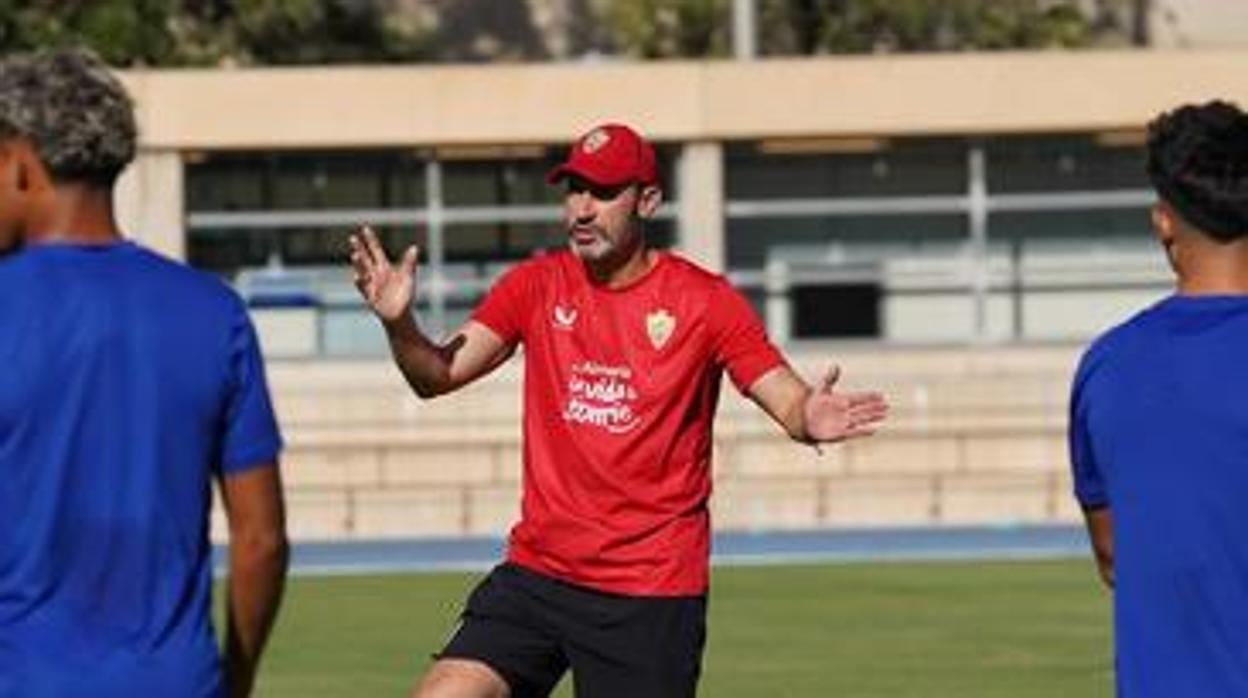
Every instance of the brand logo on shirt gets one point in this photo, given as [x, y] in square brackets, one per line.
[564, 318]
[660, 325]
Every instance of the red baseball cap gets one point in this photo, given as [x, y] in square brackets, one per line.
[609, 155]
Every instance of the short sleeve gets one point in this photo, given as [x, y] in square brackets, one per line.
[251, 436]
[739, 341]
[1089, 480]
[505, 306]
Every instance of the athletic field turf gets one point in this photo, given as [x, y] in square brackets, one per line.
[958, 629]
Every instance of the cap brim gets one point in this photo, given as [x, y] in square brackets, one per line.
[562, 172]
[558, 173]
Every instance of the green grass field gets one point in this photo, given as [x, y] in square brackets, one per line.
[1014, 629]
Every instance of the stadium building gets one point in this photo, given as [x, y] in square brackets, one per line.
[948, 227]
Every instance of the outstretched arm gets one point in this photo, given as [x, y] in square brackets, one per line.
[431, 369]
[817, 415]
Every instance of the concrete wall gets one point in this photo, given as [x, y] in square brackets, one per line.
[677, 101]
[976, 437]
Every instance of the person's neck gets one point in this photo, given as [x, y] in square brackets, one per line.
[79, 214]
[1215, 270]
[623, 273]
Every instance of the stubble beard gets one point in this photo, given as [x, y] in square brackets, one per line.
[596, 251]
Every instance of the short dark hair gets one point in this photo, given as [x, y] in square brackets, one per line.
[1198, 162]
[73, 110]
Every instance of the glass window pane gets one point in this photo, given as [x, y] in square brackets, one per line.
[346, 180]
[523, 239]
[227, 182]
[905, 167]
[510, 241]
[228, 250]
[661, 234]
[854, 276]
[1072, 231]
[667, 156]
[1073, 274]
[498, 241]
[1062, 163]
[305, 180]
[474, 242]
[850, 238]
[498, 182]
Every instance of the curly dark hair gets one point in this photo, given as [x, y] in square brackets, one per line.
[74, 111]
[1198, 162]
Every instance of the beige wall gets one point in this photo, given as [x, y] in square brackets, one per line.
[677, 101]
[701, 232]
[975, 436]
[150, 201]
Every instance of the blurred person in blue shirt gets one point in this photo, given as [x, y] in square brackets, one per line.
[127, 382]
[1159, 427]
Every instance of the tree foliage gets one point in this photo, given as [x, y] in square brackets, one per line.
[213, 32]
[245, 32]
[875, 26]
[671, 28]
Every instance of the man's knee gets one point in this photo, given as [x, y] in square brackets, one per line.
[461, 678]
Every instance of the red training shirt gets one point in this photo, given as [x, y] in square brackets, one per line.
[620, 388]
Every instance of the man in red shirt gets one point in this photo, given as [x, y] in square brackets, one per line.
[625, 345]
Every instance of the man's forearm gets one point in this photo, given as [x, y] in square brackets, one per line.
[423, 364]
[783, 394]
[794, 418]
[1101, 535]
[257, 578]
[791, 414]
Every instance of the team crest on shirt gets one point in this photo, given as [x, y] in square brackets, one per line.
[594, 141]
[660, 325]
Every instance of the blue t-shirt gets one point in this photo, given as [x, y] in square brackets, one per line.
[1159, 435]
[126, 382]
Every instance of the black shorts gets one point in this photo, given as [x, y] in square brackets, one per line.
[531, 629]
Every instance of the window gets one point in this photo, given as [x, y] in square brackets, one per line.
[814, 169]
[281, 219]
[818, 232]
[894, 234]
[1063, 163]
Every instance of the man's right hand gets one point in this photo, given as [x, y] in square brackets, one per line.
[431, 369]
[387, 289]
